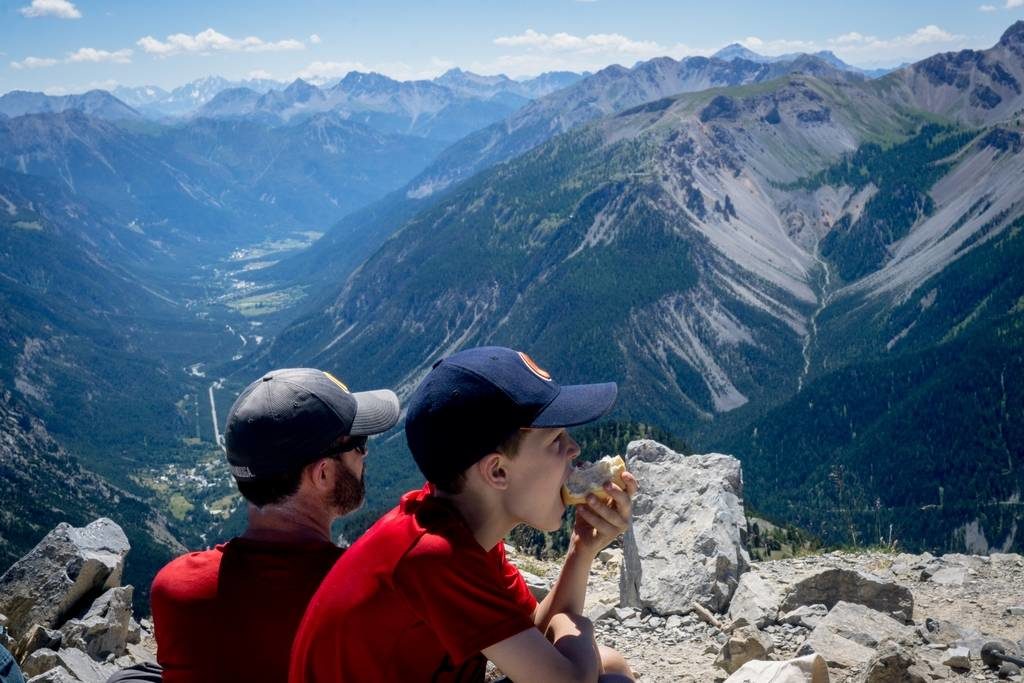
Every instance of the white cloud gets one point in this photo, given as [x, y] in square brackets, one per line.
[61, 9]
[209, 41]
[1011, 4]
[260, 74]
[314, 39]
[596, 42]
[34, 63]
[89, 54]
[777, 46]
[538, 52]
[987, 8]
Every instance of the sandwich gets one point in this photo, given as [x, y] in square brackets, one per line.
[591, 478]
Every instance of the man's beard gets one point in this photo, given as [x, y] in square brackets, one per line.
[349, 490]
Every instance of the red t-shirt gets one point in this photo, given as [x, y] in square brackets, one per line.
[415, 599]
[229, 614]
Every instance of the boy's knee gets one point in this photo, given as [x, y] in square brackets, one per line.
[614, 663]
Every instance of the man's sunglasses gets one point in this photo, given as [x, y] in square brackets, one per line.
[352, 443]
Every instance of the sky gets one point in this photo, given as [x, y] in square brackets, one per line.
[63, 46]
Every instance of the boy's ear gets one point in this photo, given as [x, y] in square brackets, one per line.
[491, 469]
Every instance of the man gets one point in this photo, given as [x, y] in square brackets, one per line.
[427, 593]
[295, 442]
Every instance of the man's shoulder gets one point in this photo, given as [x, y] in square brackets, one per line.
[191, 575]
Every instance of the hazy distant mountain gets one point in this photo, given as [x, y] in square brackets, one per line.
[821, 271]
[420, 108]
[737, 51]
[139, 96]
[215, 181]
[186, 99]
[610, 90]
[97, 103]
[467, 83]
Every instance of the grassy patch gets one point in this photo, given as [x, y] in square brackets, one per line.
[179, 507]
[267, 302]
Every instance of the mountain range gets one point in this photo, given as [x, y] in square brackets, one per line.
[727, 254]
[782, 259]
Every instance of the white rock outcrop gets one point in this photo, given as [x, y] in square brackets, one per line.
[63, 573]
[684, 543]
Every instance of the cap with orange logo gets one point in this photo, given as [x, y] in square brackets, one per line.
[473, 400]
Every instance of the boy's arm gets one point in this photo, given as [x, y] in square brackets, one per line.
[597, 525]
[570, 656]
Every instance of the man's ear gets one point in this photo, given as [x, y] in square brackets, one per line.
[318, 474]
[492, 469]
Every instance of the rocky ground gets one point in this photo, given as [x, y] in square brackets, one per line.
[980, 594]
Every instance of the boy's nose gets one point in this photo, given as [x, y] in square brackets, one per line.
[574, 448]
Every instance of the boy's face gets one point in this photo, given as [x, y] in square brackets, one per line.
[536, 475]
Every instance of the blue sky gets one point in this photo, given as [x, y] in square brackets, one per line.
[72, 45]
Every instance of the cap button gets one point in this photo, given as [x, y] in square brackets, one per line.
[268, 378]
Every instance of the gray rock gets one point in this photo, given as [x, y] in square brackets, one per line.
[895, 664]
[623, 613]
[1017, 611]
[831, 586]
[847, 635]
[958, 658]
[743, 645]
[39, 661]
[62, 574]
[538, 586]
[684, 542]
[34, 639]
[949, 576]
[837, 651]
[1008, 670]
[80, 666]
[808, 616]
[107, 628]
[54, 676]
[755, 601]
[599, 611]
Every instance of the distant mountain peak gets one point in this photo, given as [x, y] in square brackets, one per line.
[737, 51]
[1013, 35]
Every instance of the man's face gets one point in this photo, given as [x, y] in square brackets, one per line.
[349, 485]
[536, 475]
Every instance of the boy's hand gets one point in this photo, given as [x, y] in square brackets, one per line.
[599, 523]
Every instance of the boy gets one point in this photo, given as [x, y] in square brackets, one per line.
[427, 593]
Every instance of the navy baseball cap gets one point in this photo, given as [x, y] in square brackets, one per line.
[289, 418]
[474, 399]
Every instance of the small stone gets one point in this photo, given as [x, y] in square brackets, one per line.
[623, 613]
[1017, 611]
[674, 621]
[655, 622]
[958, 658]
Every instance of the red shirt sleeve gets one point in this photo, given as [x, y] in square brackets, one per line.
[471, 599]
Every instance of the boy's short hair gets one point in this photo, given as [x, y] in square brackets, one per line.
[508, 447]
[471, 401]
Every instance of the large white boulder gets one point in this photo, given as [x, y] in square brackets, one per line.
[62, 575]
[684, 543]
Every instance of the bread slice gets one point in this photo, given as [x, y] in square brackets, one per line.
[591, 477]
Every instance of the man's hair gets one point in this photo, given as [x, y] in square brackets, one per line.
[455, 483]
[278, 488]
[271, 490]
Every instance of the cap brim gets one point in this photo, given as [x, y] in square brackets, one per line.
[376, 412]
[577, 404]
